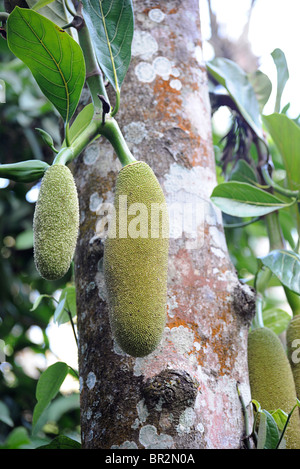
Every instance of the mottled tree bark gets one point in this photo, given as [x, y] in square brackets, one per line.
[184, 394]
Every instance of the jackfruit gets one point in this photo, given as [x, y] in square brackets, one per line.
[293, 349]
[55, 222]
[271, 379]
[136, 261]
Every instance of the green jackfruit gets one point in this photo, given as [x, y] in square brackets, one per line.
[293, 349]
[136, 261]
[271, 379]
[55, 223]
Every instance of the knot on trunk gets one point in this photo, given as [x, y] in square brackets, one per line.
[170, 390]
[244, 300]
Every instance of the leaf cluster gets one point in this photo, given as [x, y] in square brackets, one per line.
[269, 427]
[259, 180]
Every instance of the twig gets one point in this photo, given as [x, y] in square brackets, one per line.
[73, 326]
[245, 413]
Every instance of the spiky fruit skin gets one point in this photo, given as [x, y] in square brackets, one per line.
[293, 349]
[271, 379]
[55, 223]
[135, 268]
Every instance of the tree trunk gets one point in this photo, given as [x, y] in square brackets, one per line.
[184, 394]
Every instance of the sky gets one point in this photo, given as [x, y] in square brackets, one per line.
[274, 24]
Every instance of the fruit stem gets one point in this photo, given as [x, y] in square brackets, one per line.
[282, 190]
[3, 16]
[112, 132]
[275, 236]
[109, 130]
[258, 318]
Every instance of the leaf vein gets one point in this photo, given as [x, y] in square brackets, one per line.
[54, 60]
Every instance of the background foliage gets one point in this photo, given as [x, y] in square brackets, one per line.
[25, 356]
[242, 194]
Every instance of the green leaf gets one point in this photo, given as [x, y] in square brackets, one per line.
[63, 404]
[47, 138]
[41, 4]
[62, 442]
[262, 431]
[286, 266]
[80, 123]
[276, 319]
[54, 58]
[262, 86]
[24, 240]
[286, 136]
[282, 75]
[272, 435]
[244, 200]
[243, 172]
[67, 301]
[17, 438]
[238, 85]
[268, 433]
[4, 415]
[56, 409]
[70, 294]
[280, 418]
[24, 171]
[110, 23]
[38, 300]
[47, 388]
[256, 405]
[54, 11]
[60, 315]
